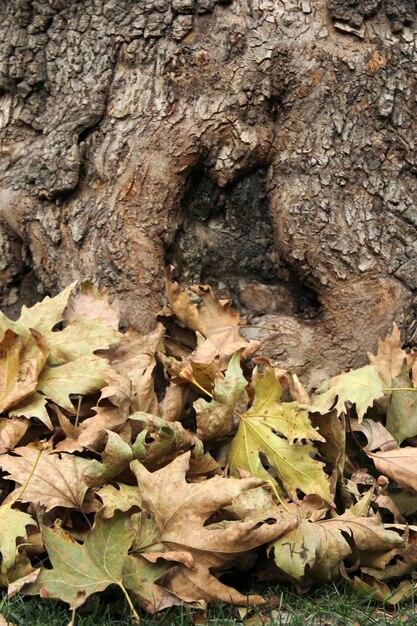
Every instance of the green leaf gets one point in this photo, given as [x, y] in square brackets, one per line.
[215, 418]
[258, 435]
[81, 377]
[81, 570]
[402, 409]
[12, 525]
[288, 418]
[360, 387]
[102, 560]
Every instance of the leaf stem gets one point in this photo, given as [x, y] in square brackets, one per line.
[278, 497]
[196, 384]
[27, 481]
[400, 388]
[77, 417]
[130, 603]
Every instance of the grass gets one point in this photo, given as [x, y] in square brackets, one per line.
[330, 605]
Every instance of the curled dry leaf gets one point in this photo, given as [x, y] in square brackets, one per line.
[402, 409]
[390, 357]
[378, 437]
[215, 418]
[176, 504]
[400, 465]
[322, 546]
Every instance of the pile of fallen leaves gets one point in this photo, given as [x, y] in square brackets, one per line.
[157, 463]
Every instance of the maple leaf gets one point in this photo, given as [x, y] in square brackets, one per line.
[390, 357]
[118, 497]
[215, 321]
[43, 316]
[176, 504]
[13, 524]
[402, 408]
[321, 546]
[399, 464]
[12, 430]
[81, 570]
[80, 339]
[56, 481]
[379, 438]
[360, 387]
[92, 303]
[82, 376]
[134, 357]
[12, 387]
[156, 441]
[215, 418]
[259, 433]
[182, 305]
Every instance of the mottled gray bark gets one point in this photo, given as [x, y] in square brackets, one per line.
[266, 146]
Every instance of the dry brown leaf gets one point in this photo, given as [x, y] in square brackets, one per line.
[92, 304]
[399, 464]
[390, 356]
[182, 305]
[57, 481]
[177, 505]
[15, 386]
[12, 430]
[379, 438]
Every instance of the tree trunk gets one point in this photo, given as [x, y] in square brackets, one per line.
[264, 146]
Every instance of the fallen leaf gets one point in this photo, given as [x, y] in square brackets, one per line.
[12, 525]
[80, 339]
[378, 590]
[322, 546]
[81, 377]
[390, 358]
[33, 406]
[215, 418]
[118, 497]
[259, 434]
[56, 481]
[12, 430]
[379, 438]
[13, 388]
[360, 387]
[43, 316]
[402, 409]
[399, 464]
[176, 504]
[182, 305]
[92, 304]
[102, 560]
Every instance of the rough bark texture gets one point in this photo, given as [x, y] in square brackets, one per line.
[265, 146]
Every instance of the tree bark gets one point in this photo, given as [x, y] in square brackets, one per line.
[264, 146]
